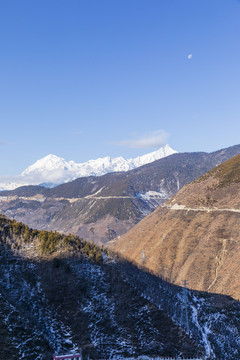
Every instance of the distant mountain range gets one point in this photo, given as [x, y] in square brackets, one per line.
[100, 208]
[53, 170]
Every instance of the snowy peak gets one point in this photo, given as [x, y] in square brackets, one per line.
[49, 162]
[153, 156]
[55, 170]
[99, 166]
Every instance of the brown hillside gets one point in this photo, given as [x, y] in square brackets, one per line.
[217, 188]
[196, 237]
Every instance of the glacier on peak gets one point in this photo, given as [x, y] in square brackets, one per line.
[55, 170]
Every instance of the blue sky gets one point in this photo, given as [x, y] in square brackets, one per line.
[86, 79]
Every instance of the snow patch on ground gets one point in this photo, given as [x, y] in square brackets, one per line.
[153, 195]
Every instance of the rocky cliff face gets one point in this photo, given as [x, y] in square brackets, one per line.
[196, 235]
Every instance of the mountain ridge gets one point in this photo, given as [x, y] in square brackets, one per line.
[103, 207]
[52, 169]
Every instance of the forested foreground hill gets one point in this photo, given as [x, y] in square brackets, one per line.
[60, 293]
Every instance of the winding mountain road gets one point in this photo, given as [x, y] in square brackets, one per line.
[178, 207]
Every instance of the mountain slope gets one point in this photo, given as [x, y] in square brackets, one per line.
[52, 170]
[64, 303]
[104, 207]
[196, 235]
[61, 296]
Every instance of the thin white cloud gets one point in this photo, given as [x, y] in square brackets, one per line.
[1, 143]
[154, 139]
[189, 56]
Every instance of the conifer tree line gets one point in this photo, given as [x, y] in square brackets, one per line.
[49, 242]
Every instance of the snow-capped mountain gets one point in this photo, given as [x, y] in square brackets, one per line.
[55, 170]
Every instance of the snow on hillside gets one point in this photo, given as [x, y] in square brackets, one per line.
[55, 170]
